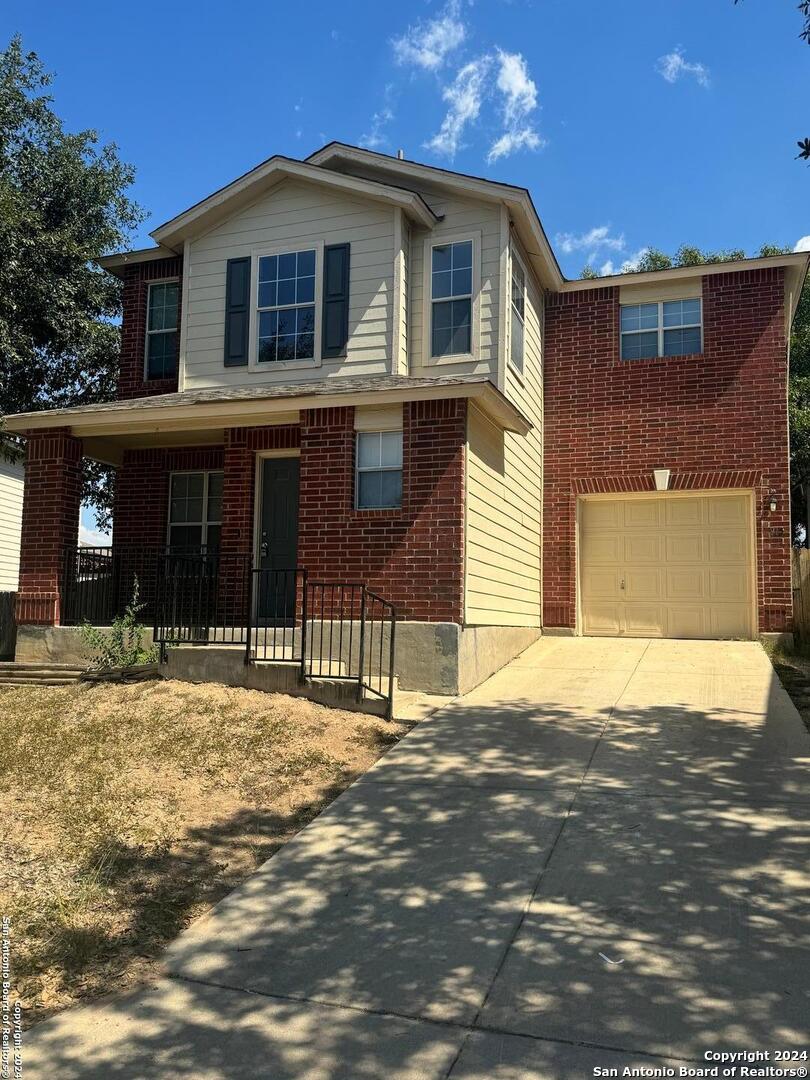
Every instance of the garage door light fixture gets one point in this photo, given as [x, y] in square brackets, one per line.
[661, 477]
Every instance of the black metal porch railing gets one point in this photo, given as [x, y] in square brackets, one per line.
[333, 630]
[190, 596]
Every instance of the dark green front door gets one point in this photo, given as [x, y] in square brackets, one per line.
[278, 538]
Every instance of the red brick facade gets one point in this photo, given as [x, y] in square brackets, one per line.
[50, 522]
[413, 557]
[132, 382]
[717, 420]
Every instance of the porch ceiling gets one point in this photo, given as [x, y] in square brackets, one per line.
[200, 416]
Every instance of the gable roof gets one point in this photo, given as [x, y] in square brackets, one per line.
[248, 187]
[323, 167]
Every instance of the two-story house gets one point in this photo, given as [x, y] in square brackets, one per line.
[374, 371]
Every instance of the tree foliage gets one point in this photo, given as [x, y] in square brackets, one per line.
[799, 376]
[63, 203]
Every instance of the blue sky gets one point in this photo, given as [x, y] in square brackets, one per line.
[633, 123]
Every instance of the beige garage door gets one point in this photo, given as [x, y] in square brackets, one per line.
[667, 566]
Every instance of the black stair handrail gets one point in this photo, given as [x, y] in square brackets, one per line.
[330, 629]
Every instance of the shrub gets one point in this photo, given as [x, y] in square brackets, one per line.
[121, 646]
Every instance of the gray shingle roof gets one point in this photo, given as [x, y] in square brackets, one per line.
[343, 385]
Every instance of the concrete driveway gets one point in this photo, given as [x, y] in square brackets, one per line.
[600, 857]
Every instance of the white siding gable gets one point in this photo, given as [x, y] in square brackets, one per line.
[300, 215]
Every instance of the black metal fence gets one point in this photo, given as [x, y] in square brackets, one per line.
[333, 630]
[196, 597]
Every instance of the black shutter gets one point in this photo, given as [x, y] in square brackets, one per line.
[237, 312]
[335, 300]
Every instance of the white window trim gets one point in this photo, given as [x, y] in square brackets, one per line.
[427, 285]
[253, 346]
[376, 468]
[515, 258]
[661, 328]
[149, 333]
[206, 473]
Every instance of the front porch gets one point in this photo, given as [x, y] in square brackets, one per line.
[301, 536]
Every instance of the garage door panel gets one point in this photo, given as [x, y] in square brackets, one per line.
[602, 550]
[604, 515]
[728, 511]
[686, 584]
[725, 619]
[602, 584]
[687, 621]
[643, 548]
[728, 547]
[685, 547]
[604, 619]
[670, 565]
[644, 620]
[728, 584]
[642, 584]
[684, 512]
[642, 514]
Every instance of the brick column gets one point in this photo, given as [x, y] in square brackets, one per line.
[50, 522]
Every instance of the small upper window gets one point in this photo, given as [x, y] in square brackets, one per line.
[379, 470]
[451, 295]
[286, 305]
[666, 328]
[161, 330]
[195, 511]
[518, 315]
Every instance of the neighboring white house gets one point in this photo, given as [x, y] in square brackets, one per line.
[11, 501]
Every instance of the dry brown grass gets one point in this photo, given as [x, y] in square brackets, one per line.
[129, 810]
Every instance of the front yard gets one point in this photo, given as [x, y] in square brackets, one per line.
[128, 810]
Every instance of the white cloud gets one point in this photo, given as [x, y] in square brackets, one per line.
[464, 96]
[803, 244]
[596, 238]
[93, 537]
[427, 44]
[672, 66]
[375, 137]
[511, 141]
[516, 86]
[627, 267]
[519, 94]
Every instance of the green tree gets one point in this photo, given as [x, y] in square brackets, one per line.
[799, 375]
[63, 203]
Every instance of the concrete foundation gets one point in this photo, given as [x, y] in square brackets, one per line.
[431, 658]
[782, 641]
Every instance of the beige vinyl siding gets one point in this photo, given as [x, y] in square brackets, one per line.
[461, 216]
[11, 501]
[404, 297]
[504, 495]
[301, 215]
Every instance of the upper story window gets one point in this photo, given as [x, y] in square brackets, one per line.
[665, 328]
[518, 311]
[195, 511]
[161, 330]
[379, 470]
[286, 307]
[451, 283]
